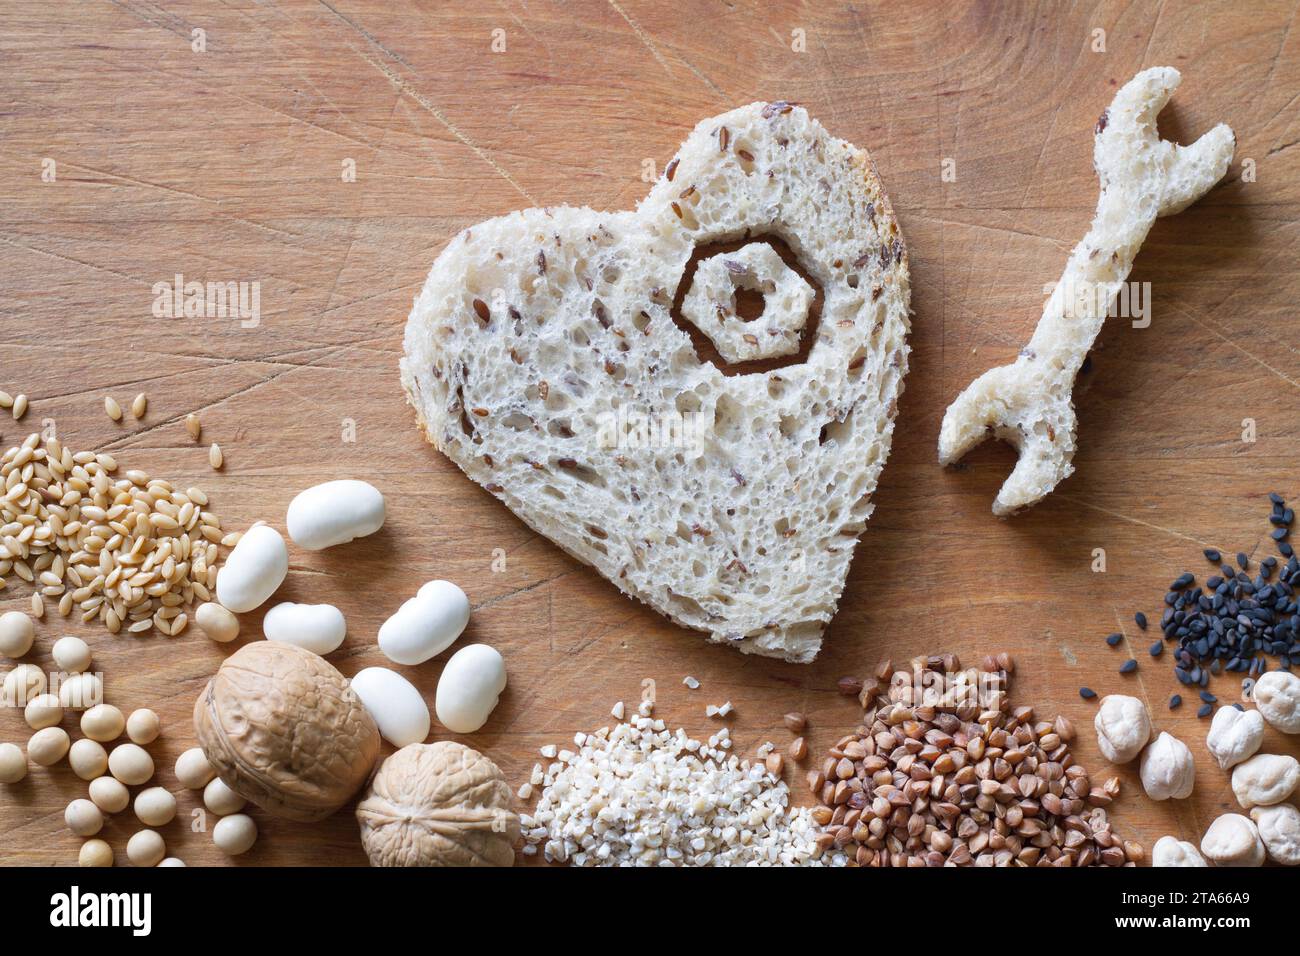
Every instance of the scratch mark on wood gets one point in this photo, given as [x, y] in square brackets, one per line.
[144, 183]
[403, 87]
[1142, 687]
[181, 32]
[643, 37]
[1146, 524]
[367, 35]
[1223, 338]
[76, 261]
[490, 602]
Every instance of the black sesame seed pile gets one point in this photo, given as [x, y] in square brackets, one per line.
[1235, 620]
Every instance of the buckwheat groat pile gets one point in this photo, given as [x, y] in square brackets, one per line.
[641, 795]
[943, 772]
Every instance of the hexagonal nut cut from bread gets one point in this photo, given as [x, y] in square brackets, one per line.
[547, 358]
[283, 729]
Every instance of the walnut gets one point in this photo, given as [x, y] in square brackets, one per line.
[440, 804]
[282, 728]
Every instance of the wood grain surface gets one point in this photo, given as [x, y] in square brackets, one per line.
[225, 160]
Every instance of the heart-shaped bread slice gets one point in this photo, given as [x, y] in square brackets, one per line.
[543, 357]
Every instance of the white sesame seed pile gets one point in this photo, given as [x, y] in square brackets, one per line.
[130, 551]
[639, 794]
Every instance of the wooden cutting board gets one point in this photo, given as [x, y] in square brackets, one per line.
[328, 151]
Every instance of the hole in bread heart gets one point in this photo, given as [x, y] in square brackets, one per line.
[750, 305]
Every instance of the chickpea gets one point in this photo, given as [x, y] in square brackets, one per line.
[172, 861]
[47, 747]
[143, 726]
[88, 759]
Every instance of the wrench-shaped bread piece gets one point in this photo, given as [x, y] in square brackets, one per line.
[1028, 403]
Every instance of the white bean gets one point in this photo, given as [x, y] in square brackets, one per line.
[235, 834]
[426, 625]
[254, 570]
[172, 861]
[469, 688]
[319, 628]
[395, 705]
[334, 513]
